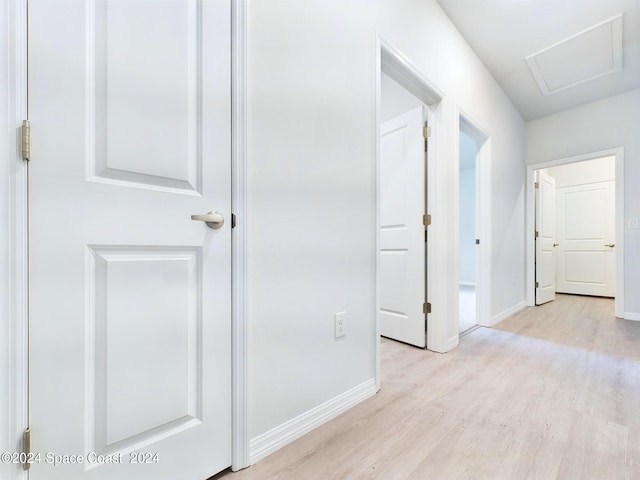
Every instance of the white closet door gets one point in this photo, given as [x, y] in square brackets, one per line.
[545, 238]
[586, 237]
[130, 297]
[402, 234]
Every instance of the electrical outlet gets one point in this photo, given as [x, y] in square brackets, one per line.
[340, 319]
[633, 223]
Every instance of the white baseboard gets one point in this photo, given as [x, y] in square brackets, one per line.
[286, 433]
[453, 343]
[631, 316]
[508, 312]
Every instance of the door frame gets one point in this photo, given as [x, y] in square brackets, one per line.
[16, 294]
[618, 153]
[483, 215]
[15, 229]
[402, 70]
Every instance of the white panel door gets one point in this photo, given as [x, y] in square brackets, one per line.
[402, 234]
[130, 354]
[586, 237]
[545, 238]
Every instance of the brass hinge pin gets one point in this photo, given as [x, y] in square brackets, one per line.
[26, 448]
[26, 140]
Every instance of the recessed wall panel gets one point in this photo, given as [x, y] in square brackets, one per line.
[143, 75]
[144, 372]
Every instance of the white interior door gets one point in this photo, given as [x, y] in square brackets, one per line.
[130, 352]
[545, 238]
[402, 233]
[586, 237]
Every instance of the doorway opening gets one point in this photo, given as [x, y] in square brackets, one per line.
[468, 238]
[575, 228]
[400, 74]
[474, 226]
[403, 175]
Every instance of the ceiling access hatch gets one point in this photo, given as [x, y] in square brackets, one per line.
[585, 56]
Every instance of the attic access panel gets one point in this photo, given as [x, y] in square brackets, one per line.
[590, 54]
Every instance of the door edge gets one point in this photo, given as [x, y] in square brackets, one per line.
[239, 322]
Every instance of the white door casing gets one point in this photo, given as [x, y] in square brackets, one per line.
[586, 238]
[618, 251]
[545, 238]
[130, 300]
[402, 233]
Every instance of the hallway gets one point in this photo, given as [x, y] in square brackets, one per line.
[550, 393]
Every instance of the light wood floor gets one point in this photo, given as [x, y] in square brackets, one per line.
[550, 393]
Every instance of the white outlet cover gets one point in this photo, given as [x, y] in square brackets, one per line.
[633, 223]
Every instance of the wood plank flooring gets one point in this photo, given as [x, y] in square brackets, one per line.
[553, 392]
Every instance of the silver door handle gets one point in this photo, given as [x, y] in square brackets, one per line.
[213, 219]
[610, 245]
[556, 244]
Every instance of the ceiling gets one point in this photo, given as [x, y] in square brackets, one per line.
[513, 39]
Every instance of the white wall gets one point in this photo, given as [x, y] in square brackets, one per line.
[311, 164]
[395, 99]
[597, 126]
[579, 173]
[311, 191]
[467, 210]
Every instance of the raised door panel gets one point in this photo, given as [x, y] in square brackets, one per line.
[144, 86]
[144, 337]
[585, 214]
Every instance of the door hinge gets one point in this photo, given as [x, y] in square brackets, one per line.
[26, 140]
[426, 220]
[536, 185]
[233, 220]
[26, 448]
[426, 133]
[537, 234]
[537, 285]
[477, 241]
[426, 307]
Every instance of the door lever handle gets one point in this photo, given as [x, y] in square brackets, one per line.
[556, 244]
[610, 245]
[213, 219]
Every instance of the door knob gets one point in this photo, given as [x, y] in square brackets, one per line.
[556, 244]
[213, 219]
[610, 245]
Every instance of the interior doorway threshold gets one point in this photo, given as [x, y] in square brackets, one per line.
[469, 330]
